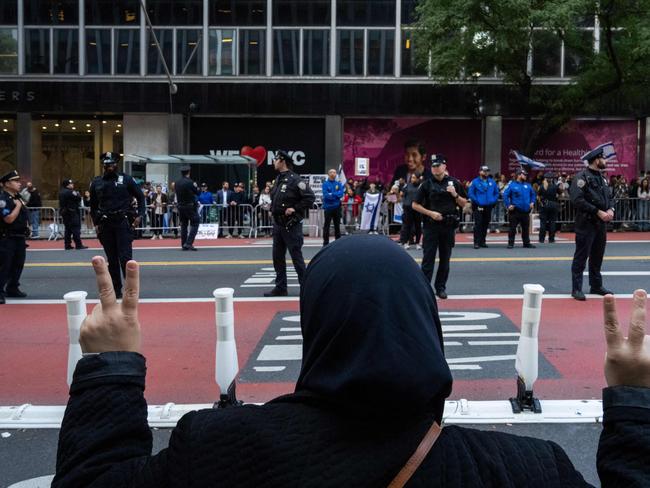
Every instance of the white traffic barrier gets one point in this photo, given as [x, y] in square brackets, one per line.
[75, 302]
[527, 359]
[226, 362]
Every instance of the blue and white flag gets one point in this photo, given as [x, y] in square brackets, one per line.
[340, 175]
[370, 211]
[526, 161]
[397, 213]
[605, 151]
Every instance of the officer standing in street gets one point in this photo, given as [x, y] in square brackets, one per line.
[548, 193]
[114, 216]
[519, 198]
[438, 200]
[484, 193]
[69, 203]
[291, 200]
[591, 197]
[14, 229]
[187, 193]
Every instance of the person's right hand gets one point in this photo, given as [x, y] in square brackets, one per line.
[604, 216]
[113, 326]
[511, 208]
[436, 215]
[627, 362]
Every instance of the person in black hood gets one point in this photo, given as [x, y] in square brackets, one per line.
[373, 381]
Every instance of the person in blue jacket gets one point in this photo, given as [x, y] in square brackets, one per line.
[484, 193]
[332, 193]
[519, 198]
[206, 199]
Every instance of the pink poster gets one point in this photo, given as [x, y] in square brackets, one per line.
[382, 141]
[561, 153]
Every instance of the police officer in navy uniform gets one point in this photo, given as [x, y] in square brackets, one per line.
[114, 216]
[438, 199]
[591, 197]
[187, 192]
[14, 229]
[291, 200]
[69, 203]
[519, 198]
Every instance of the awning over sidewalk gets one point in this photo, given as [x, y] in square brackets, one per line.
[189, 159]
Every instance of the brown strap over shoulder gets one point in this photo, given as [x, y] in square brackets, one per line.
[418, 456]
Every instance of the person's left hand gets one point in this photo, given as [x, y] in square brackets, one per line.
[451, 189]
[532, 205]
[136, 222]
[289, 211]
[113, 326]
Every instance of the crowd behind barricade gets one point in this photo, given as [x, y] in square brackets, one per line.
[242, 213]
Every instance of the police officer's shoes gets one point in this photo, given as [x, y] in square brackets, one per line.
[78, 248]
[442, 294]
[600, 291]
[530, 246]
[276, 292]
[15, 293]
[2, 299]
[189, 248]
[578, 295]
[476, 246]
[510, 246]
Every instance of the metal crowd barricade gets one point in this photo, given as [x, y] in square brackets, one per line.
[263, 222]
[44, 223]
[351, 216]
[232, 218]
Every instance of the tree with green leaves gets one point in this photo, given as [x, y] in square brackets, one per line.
[607, 44]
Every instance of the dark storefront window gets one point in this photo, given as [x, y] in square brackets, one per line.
[189, 52]
[51, 12]
[66, 51]
[381, 49]
[237, 12]
[575, 56]
[222, 52]
[286, 55]
[37, 50]
[350, 48]
[408, 11]
[410, 65]
[251, 52]
[7, 144]
[8, 51]
[547, 49]
[98, 51]
[316, 52]
[154, 61]
[8, 12]
[112, 12]
[365, 12]
[301, 12]
[175, 12]
[127, 52]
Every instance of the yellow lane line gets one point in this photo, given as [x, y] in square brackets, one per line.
[530, 259]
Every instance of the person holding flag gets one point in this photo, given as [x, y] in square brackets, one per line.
[591, 197]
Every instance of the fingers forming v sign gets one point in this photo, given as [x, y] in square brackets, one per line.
[113, 326]
[627, 361]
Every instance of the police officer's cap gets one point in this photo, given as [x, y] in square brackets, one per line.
[520, 171]
[185, 168]
[12, 175]
[485, 168]
[284, 156]
[593, 154]
[65, 183]
[438, 159]
[549, 176]
[109, 158]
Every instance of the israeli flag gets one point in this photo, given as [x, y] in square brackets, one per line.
[397, 213]
[526, 161]
[605, 151]
[370, 211]
[340, 175]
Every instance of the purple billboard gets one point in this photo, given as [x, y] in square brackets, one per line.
[382, 142]
[561, 153]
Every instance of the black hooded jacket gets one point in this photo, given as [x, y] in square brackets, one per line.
[371, 383]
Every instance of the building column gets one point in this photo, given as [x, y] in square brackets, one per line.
[333, 141]
[645, 162]
[492, 141]
[24, 138]
[148, 135]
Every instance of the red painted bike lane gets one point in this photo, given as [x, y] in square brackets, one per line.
[179, 343]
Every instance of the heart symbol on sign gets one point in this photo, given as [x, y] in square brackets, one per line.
[258, 154]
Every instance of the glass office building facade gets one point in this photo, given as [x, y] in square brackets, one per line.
[99, 64]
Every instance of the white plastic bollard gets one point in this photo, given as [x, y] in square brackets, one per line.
[527, 361]
[75, 302]
[226, 363]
